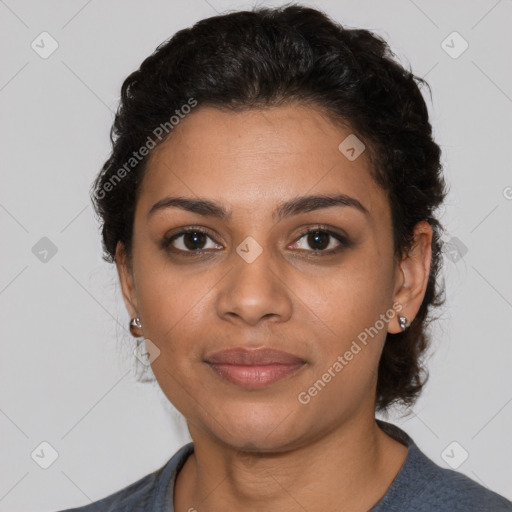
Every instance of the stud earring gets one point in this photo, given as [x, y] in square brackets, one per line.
[135, 324]
[403, 323]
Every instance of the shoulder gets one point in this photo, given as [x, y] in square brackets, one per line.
[132, 497]
[448, 490]
[423, 486]
[148, 493]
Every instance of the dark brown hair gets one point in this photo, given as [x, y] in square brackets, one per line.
[264, 58]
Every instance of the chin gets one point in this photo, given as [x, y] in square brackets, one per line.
[262, 427]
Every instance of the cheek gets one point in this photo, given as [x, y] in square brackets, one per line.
[350, 305]
[168, 297]
[172, 309]
[351, 298]
[350, 337]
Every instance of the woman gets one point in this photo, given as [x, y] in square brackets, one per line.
[270, 207]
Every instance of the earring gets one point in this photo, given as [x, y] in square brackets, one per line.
[135, 324]
[403, 323]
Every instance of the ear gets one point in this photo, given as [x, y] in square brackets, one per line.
[125, 273]
[411, 277]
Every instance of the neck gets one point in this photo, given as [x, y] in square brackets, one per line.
[350, 469]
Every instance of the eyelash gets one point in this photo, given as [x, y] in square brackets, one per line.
[344, 243]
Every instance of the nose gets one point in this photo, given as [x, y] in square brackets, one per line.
[254, 291]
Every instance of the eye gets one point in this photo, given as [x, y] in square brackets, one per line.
[195, 240]
[189, 240]
[322, 240]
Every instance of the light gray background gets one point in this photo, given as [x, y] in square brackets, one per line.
[67, 373]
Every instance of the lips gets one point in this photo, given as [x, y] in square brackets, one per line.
[255, 368]
[254, 357]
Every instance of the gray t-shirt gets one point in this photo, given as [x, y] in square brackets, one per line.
[420, 486]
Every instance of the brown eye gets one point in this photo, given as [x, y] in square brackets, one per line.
[190, 240]
[318, 240]
[321, 241]
[194, 240]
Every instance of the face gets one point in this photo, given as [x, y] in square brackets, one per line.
[261, 269]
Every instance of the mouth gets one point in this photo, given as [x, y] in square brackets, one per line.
[255, 368]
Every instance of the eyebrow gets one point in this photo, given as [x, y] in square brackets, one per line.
[301, 204]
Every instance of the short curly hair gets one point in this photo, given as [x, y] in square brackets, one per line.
[267, 57]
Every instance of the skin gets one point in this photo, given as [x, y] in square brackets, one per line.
[263, 449]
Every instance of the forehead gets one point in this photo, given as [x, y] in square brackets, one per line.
[247, 159]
